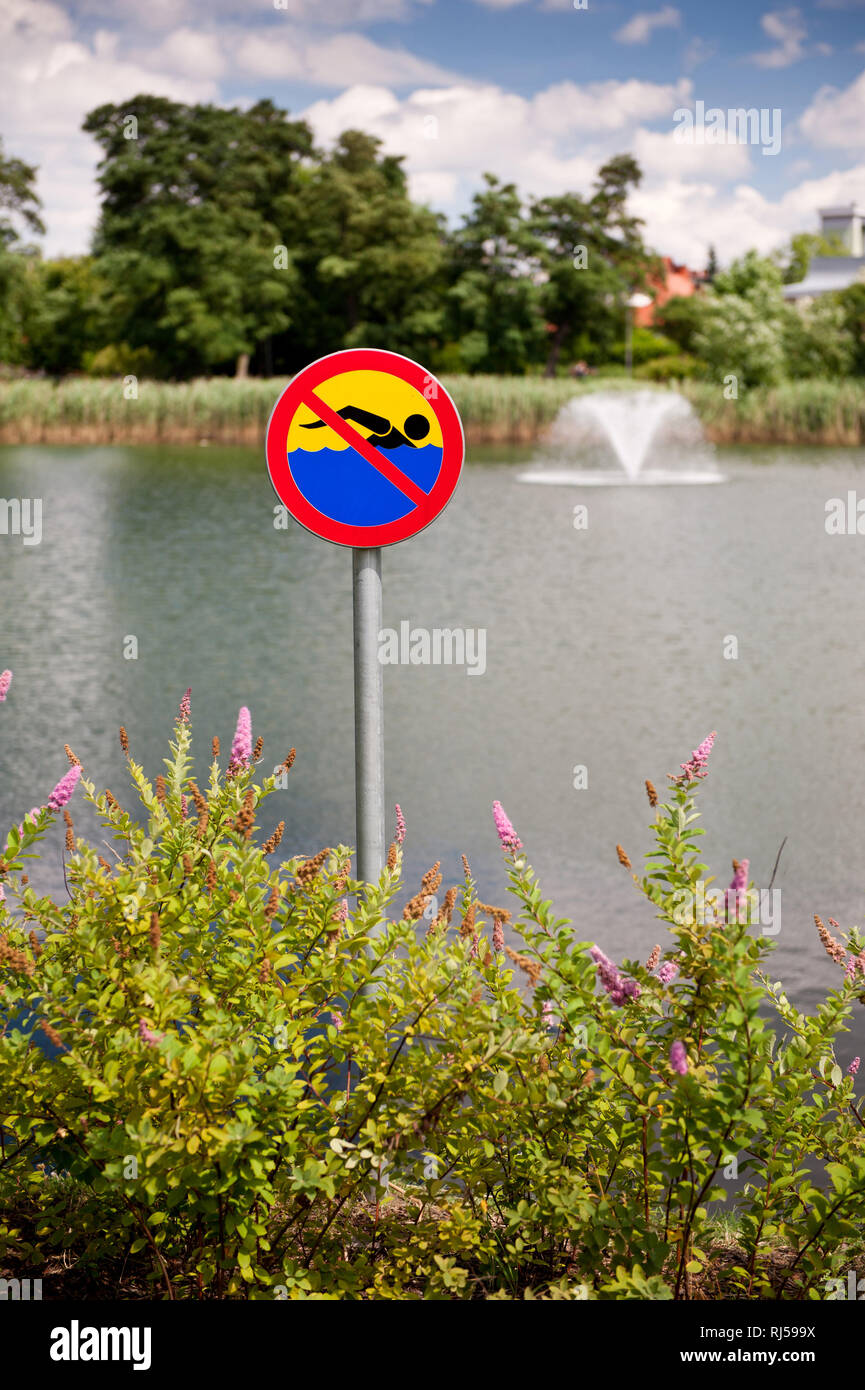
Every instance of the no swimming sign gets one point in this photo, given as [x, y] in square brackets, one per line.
[365, 448]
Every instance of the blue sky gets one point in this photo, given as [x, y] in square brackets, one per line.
[534, 90]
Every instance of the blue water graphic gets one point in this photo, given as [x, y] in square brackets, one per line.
[342, 485]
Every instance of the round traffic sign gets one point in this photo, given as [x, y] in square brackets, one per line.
[364, 447]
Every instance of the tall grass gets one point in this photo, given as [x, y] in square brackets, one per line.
[798, 412]
[493, 409]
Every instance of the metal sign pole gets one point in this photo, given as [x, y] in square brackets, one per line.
[368, 714]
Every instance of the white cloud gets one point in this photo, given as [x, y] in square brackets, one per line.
[691, 195]
[640, 28]
[190, 53]
[449, 129]
[683, 217]
[836, 119]
[162, 14]
[548, 143]
[335, 61]
[659, 153]
[787, 29]
[611, 105]
[50, 81]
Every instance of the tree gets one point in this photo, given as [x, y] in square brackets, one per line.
[681, 318]
[711, 265]
[795, 260]
[852, 302]
[18, 196]
[194, 199]
[817, 340]
[494, 316]
[369, 260]
[742, 332]
[63, 319]
[592, 254]
[19, 204]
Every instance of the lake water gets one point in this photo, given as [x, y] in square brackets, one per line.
[605, 648]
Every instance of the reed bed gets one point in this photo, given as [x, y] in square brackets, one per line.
[222, 410]
[797, 412]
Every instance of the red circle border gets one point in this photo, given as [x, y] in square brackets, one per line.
[340, 532]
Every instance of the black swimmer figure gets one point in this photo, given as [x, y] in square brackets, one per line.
[384, 435]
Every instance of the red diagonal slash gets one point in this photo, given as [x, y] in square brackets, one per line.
[387, 469]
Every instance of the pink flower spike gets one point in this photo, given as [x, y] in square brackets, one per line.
[668, 972]
[241, 748]
[64, 789]
[854, 1066]
[32, 815]
[5, 682]
[737, 893]
[147, 1035]
[679, 1058]
[185, 706]
[400, 824]
[695, 767]
[508, 836]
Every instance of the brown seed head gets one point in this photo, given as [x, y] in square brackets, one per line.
[35, 944]
[210, 881]
[652, 962]
[392, 855]
[246, 815]
[256, 752]
[311, 867]
[531, 967]
[623, 858]
[467, 925]
[288, 762]
[187, 866]
[501, 913]
[273, 841]
[833, 948]
[445, 912]
[124, 740]
[160, 788]
[651, 793]
[73, 761]
[272, 903]
[214, 745]
[155, 931]
[51, 1033]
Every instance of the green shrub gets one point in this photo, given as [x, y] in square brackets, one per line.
[258, 1091]
[677, 367]
[118, 359]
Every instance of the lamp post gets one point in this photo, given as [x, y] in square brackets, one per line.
[634, 301]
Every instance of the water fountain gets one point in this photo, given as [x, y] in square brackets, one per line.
[635, 426]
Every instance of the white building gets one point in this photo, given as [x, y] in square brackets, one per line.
[828, 273]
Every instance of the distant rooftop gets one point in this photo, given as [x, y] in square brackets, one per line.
[827, 273]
